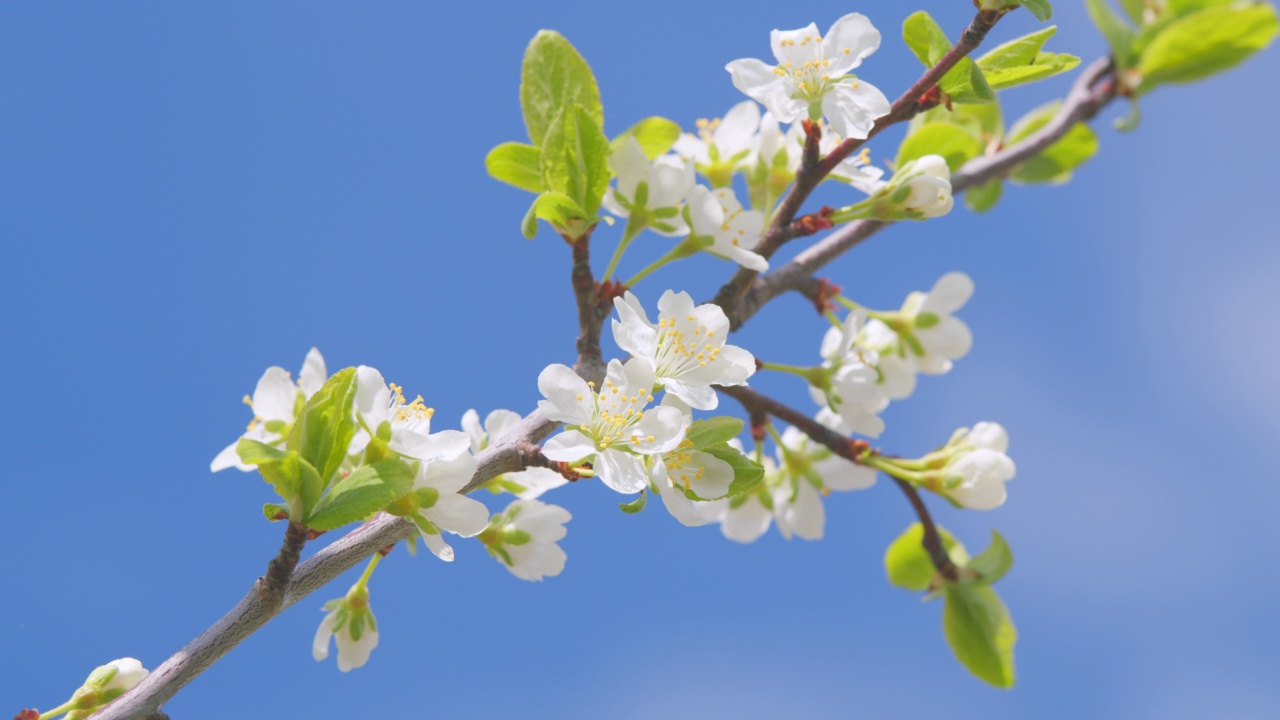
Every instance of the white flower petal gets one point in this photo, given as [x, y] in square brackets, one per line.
[275, 396]
[320, 646]
[458, 514]
[568, 397]
[621, 471]
[569, 446]
[446, 475]
[313, 373]
[849, 41]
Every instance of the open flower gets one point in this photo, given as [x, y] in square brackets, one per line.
[434, 505]
[405, 427]
[941, 337]
[975, 474]
[653, 192]
[611, 429]
[809, 470]
[686, 348]
[895, 363]
[523, 538]
[275, 404]
[350, 622]
[528, 483]
[746, 517]
[853, 396]
[722, 147]
[729, 231]
[813, 76]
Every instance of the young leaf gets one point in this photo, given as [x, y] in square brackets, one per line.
[926, 39]
[516, 164]
[1117, 33]
[984, 197]
[952, 142]
[907, 563]
[560, 210]
[575, 159]
[281, 473]
[965, 83]
[1206, 42]
[252, 452]
[713, 431]
[1040, 8]
[323, 431]
[655, 134]
[746, 472]
[553, 77]
[981, 633]
[1134, 9]
[1021, 61]
[992, 564]
[362, 493]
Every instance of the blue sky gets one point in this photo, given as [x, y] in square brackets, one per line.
[191, 193]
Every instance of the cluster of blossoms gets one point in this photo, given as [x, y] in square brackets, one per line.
[104, 684]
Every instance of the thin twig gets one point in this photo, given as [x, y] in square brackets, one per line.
[932, 540]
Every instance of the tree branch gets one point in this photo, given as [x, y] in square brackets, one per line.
[809, 175]
[932, 540]
[1090, 93]
[590, 364]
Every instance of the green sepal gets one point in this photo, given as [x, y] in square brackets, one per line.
[981, 634]
[362, 493]
[713, 431]
[747, 473]
[952, 142]
[655, 135]
[1206, 42]
[636, 505]
[908, 564]
[1055, 163]
[555, 76]
[994, 562]
[1021, 61]
[516, 164]
[274, 512]
[323, 430]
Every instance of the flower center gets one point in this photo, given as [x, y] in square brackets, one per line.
[681, 349]
[409, 413]
[615, 412]
[680, 465]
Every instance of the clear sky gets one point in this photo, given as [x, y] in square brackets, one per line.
[190, 193]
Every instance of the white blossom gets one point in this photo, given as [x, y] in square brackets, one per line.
[854, 396]
[746, 517]
[441, 507]
[523, 538]
[655, 189]
[941, 336]
[723, 146]
[349, 622]
[528, 483]
[813, 76]
[809, 470]
[405, 427]
[979, 467]
[275, 404]
[733, 232]
[929, 180]
[686, 347]
[611, 429]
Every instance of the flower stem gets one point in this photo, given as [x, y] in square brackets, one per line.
[368, 571]
[891, 468]
[64, 707]
[847, 302]
[683, 250]
[831, 317]
[629, 233]
[803, 372]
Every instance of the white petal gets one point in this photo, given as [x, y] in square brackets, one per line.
[536, 481]
[275, 396]
[680, 506]
[536, 560]
[702, 397]
[500, 422]
[373, 397]
[568, 397]
[796, 46]
[664, 424]
[737, 128]
[541, 520]
[569, 446]
[630, 164]
[949, 294]
[620, 471]
[446, 475]
[805, 516]
[471, 426]
[444, 445]
[355, 653]
[849, 41]
[313, 373]
[839, 474]
[229, 458]
[853, 108]
[989, 435]
[438, 547]
[747, 522]
[758, 81]
[320, 646]
[717, 475]
[458, 514]
[950, 338]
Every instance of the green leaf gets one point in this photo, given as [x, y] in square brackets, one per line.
[655, 134]
[252, 452]
[981, 633]
[274, 512]
[1117, 33]
[362, 493]
[984, 122]
[636, 505]
[984, 197]
[1134, 8]
[281, 473]
[992, 564]
[554, 77]
[529, 224]
[516, 164]
[952, 142]
[965, 83]
[1040, 8]
[907, 563]
[575, 159]
[323, 431]
[1021, 61]
[1206, 42]
[747, 473]
[561, 211]
[713, 431]
[1055, 163]
[926, 39]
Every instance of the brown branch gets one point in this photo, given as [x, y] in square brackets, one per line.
[809, 175]
[280, 569]
[932, 540]
[590, 364]
[1091, 92]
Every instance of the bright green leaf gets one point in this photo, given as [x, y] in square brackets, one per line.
[984, 197]
[981, 633]
[1206, 42]
[281, 473]
[575, 159]
[1041, 9]
[965, 83]
[992, 564]
[561, 211]
[516, 164]
[362, 493]
[925, 38]
[747, 473]
[1055, 163]
[636, 505]
[908, 564]
[1117, 33]
[655, 134]
[952, 142]
[252, 452]
[1134, 8]
[984, 122]
[1020, 61]
[553, 77]
[1022, 51]
[713, 431]
[323, 431]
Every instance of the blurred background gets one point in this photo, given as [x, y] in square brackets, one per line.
[190, 193]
